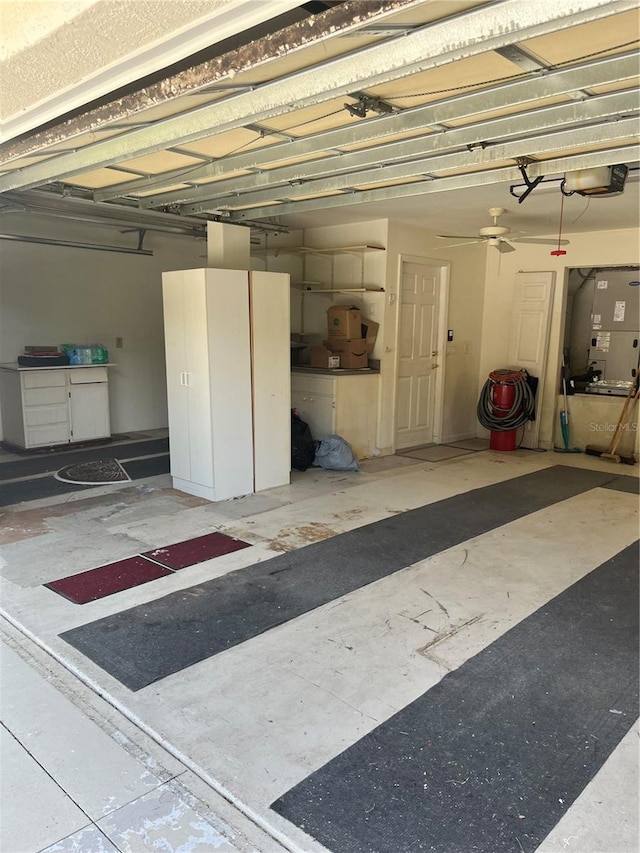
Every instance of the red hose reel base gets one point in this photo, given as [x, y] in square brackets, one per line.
[503, 394]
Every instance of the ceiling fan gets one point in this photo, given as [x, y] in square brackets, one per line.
[496, 235]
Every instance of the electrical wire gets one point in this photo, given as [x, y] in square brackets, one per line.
[583, 211]
[498, 419]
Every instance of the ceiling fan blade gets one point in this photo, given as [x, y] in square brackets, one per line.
[502, 246]
[475, 239]
[466, 243]
[540, 240]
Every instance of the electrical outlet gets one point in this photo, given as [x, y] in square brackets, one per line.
[118, 343]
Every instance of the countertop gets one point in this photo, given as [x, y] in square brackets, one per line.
[17, 367]
[336, 371]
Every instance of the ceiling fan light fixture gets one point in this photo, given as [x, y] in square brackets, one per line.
[494, 231]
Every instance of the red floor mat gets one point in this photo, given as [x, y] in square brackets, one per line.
[108, 579]
[197, 550]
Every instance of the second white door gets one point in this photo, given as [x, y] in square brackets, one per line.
[417, 353]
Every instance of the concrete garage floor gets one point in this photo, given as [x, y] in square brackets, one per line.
[194, 761]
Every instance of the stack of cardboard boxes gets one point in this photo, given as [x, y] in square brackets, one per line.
[350, 340]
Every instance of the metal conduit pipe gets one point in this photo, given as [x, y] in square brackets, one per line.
[23, 238]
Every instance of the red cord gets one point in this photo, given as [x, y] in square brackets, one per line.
[560, 251]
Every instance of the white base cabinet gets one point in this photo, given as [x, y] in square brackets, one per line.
[227, 359]
[345, 405]
[54, 405]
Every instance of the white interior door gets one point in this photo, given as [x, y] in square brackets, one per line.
[417, 353]
[529, 335]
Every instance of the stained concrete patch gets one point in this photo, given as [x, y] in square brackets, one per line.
[247, 506]
[296, 537]
[164, 820]
[55, 555]
[89, 840]
[126, 505]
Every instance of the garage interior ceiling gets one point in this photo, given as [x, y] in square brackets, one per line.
[423, 110]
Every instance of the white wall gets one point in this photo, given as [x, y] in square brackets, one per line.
[52, 295]
[594, 249]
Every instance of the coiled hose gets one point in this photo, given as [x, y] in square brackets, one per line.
[521, 410]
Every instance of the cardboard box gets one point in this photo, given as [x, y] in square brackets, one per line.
[353, 353]
[369, 333]
[344, 321]
[324, 357]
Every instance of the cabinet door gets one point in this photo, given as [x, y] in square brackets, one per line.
[357, 412]
[89, 411]
[196, 379]
[318, 410]
[271, 374]
[230, 410]
[176, 368]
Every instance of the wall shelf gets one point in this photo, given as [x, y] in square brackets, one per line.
[371, 289]
[333, 282]
[310, 250]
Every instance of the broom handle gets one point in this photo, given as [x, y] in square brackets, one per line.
[564, 382]
[617, 435]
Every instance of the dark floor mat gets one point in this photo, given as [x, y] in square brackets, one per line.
[46, 487]
[106, 580]
[150, 466]
[54, 461]
[492, 757]
[143, 644]
[52, 449]
[625, 484]
[192, 551]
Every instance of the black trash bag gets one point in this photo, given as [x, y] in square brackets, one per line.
[303, 448]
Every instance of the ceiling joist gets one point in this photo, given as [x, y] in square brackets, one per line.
[479, 30]
[508, 174]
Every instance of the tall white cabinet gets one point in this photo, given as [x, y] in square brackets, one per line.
[227, 358]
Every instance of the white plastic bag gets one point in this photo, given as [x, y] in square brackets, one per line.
[334, 453]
